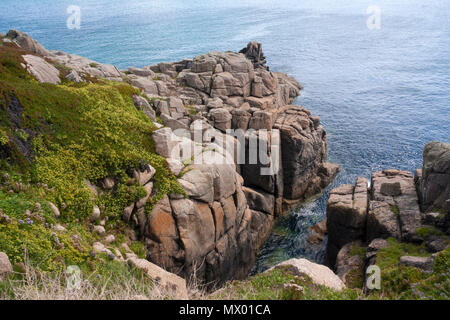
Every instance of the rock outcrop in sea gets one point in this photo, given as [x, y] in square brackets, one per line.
[242, 152]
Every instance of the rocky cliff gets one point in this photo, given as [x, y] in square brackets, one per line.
[396, 205]
[226, 128]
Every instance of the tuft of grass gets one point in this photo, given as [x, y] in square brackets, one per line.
[395, 210]
[427, 231]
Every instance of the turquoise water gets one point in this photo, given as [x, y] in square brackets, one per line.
[381, 94]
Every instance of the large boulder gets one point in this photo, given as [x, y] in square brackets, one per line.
[434, 184]
[142, 104]
[303, 149]
[27, 43]
[423, 263]
[346, 216]
[254, 53]
[172, 285]
[42, 70]
[394, 209]
[319, 274]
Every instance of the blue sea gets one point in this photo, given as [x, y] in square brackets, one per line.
[382, 93]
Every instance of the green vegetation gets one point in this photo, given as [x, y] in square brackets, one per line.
[52, 139]
[402, 282]
[358, 250]
[271, 286]
[395, 210]
[79, 131]
[397, 282]
[427, 231]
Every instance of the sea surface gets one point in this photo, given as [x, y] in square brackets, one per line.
[381, 93]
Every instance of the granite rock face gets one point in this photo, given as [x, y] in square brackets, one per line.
[346, 216]
[27, 43]
[233, 199]
[350, 266]
[42, 70]
[434, 178]
[392, 206]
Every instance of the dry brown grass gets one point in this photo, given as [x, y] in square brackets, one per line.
[35, 285]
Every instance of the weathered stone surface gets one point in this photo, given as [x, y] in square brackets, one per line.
[350, 266]
[346, 216]
[436, 245]
[54, 209]
[74, 76]
[240, 119]
[319, 274]
[198, 185]
[145, 174]
[221, 118]
[165, 142]
[261, 120]
[142, 104]
[254, 53]
[176, 166]
[162, 238]
[175, 286]
[42, 70]
[260, 226]
[95, 214]
[259, 200]
[26, 42]
[196, 227]
[374, 246]
[215, 231]
[317, 232]
[108, 183]
[303, 149]
[423, 263]
[434, 184]
[149, 86]
[394, 209]
[142, 72]
[391, 188]
[5, 266]
[382, 221]
[109, 239]
[100, 230]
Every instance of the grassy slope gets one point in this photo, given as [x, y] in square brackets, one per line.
[50, 142]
